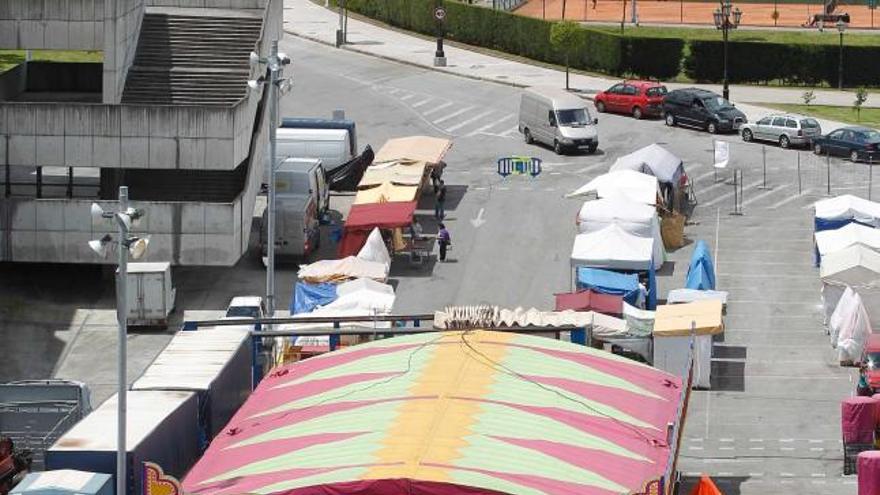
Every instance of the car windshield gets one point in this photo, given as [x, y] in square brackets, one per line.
[573, 117]
[243, 312]
[717, 103]
[656, 91]
[809, 124]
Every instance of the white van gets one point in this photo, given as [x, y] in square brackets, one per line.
[301, 197]
[558, 119]
[332, 146]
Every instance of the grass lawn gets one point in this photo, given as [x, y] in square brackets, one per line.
[829, 37]
[870, 117]
[11, 58]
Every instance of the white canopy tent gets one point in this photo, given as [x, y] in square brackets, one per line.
[613, 248]
[638, 187]
[857, 267]
[849, 327]
[635, 218]
[653, 160]
[829, 241]
[847, 207]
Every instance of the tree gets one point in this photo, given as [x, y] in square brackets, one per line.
[564, 38]
[808, 97]
[861, 98]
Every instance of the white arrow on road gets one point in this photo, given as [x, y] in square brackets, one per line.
[477, 222]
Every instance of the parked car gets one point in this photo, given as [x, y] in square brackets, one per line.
[636, 98]
[701, 108]
[856, 143]
[787, 130]
[246, 307]
[557, 118]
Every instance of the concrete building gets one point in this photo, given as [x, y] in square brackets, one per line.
[168, 113]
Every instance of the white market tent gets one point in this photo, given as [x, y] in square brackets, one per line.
[635, 218]
[638, 187]
[847, 207]
[829, 241]
[652, 160]
[857, 267]
[613, 248]
[849, 327]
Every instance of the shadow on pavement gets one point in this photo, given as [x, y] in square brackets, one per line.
[729, 485]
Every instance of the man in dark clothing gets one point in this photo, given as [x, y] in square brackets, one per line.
[444, 240]
[439, 211]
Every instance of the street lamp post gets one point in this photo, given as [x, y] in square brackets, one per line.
[277, 86]
[841, 27]
[726, 18]
[439, 17]
[136, 246]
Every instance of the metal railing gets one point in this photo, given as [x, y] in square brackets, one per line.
[47, 427]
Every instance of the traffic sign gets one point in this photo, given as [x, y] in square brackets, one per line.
[519, 165]
[440, 13]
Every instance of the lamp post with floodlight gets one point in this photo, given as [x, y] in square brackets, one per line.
[726, 18]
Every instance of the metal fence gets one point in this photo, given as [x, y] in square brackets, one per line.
[35, 426]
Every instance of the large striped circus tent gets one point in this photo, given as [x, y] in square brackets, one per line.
[455, 412]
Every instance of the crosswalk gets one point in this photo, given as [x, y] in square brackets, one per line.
[455, 118]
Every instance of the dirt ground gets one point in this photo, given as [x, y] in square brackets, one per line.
[671, 11]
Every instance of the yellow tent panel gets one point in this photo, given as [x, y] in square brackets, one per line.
[675, 320]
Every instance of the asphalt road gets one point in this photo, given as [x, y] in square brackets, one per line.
[771, 421]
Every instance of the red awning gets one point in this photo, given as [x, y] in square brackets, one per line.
[363, 218]
[588, 300]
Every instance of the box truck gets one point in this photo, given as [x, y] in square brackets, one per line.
[150, 294]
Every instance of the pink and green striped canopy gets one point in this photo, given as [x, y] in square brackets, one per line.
[448, 413]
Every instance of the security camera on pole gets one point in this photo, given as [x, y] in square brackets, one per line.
[136, 247]
[440, 17]
[277, 85]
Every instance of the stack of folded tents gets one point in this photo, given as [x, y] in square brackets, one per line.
[847, 242]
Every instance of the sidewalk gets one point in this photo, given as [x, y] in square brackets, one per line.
[308, 20]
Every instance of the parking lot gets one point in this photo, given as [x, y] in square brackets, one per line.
[771, 420]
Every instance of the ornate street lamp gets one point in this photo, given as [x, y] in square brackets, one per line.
[726, 18]
[841, 27]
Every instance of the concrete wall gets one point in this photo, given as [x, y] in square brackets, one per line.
[58, 230]
[13, 82]
[122, 26]
[109, 136]
[52, 24]
[214, 4]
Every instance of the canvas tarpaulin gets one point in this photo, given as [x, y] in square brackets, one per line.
[635, 218]
[386, 193]
[653, 160]
[398, 172]
[857, 267]
[342, 269]
[849, 327]
[608, 282]
[364, 218]
[416, 148]
[587, 300]
[635, 186]
[615, 249]
[307, 297]
[701, 317]
[375, 249]
[701, 271]
[833, 213]
[677, 296]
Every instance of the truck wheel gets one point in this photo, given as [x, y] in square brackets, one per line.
[593, 147]
[527, 136]
[557, 147]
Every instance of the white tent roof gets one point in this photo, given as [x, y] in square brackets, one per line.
[337, 270]
[854, 266]
[375, 249]
[849, 206]
[636, 186]
[636, 218]
[829, 241]
[613, 248]
[654, 160]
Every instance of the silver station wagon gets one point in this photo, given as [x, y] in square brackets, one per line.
[786, 130]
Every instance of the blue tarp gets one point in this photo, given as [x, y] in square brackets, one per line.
[307, 297]
[701, 271]
[834, 224]
[608, 282]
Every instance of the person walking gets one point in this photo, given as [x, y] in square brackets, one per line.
[440, 203]
[444, 240]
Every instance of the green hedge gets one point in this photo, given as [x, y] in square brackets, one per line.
[791, 63]
[528, 37]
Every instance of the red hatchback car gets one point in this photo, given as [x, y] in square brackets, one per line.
[637, 98]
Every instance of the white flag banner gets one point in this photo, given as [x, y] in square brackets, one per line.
[722, 154]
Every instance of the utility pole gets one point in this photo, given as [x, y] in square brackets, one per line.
[122, 351]
[274, 69]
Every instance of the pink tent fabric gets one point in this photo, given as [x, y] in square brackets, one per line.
[869, 472]
[858, 419]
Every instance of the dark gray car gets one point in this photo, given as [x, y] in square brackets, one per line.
[700, 108]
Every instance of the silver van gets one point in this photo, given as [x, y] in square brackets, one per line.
[558, 119]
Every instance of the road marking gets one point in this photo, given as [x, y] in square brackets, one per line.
[589, 168]
[420, 103]
[764, 194]
[452, 115]
[468, 121]
[756, 475]
[725, 473]
[786, 449]
[726, 195]
[756, 439]
[817, 449]
[725, 440]
[815, 440]
[786, 440]
[786, 475]
[756, 448]
[696, 439]
[698, 178]
[510, 131]
[493, 124]
[694, 447]
[726, 448]
[818, 475]
[437, 108]
[407, 97]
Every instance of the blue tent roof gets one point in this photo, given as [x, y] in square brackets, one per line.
[701, 271]
[608, 282]
[307, 297]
